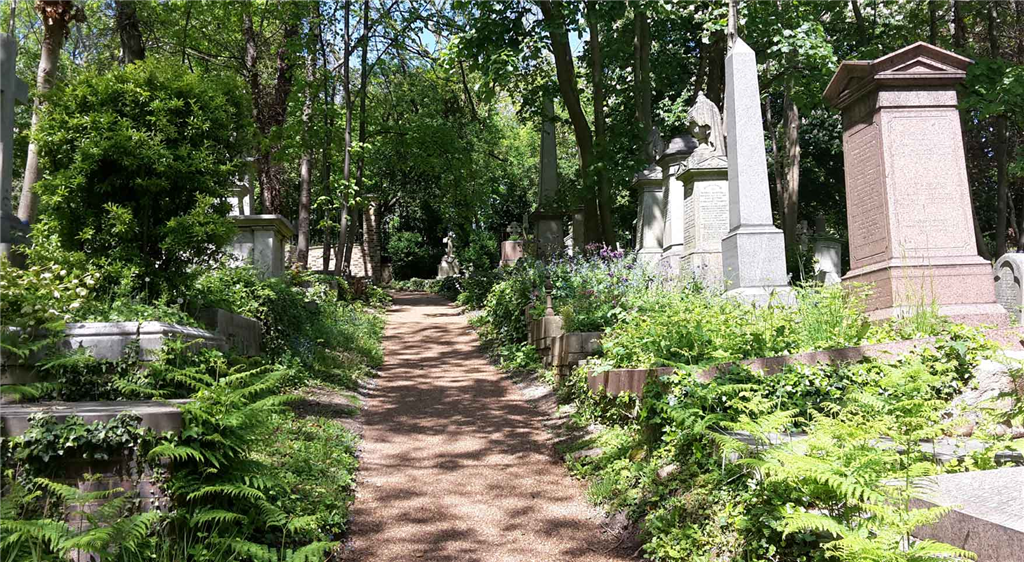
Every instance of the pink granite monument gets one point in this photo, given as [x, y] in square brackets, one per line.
[907, 198]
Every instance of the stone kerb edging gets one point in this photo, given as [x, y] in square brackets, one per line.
[616, 381]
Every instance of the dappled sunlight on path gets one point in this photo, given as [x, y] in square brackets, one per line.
[455, 465]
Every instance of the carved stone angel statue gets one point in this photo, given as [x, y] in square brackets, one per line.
[655, 145]
[705, 124]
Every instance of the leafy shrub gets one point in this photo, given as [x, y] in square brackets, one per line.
[410, 256]
[594, 292]
[505, 305]
[480, 254]
[137, 165]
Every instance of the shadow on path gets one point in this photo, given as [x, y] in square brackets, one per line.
[455, 465]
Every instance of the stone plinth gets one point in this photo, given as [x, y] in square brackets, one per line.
[908, 200]
[987, 516]
[548, 232]
[754, 251]
[673, 200]
[1009, 272]
[706, 188]
[261, 240]
[241, 334]
[828, 259]
[511, 252]
[650, 222]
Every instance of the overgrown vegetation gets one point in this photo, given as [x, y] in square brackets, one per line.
[814, 463]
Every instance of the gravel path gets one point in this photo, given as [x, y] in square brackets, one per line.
[455, 465]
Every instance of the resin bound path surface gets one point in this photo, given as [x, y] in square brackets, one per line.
[454, 464]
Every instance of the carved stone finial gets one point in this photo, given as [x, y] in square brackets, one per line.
[705, 124]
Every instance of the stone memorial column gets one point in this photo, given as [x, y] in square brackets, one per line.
[754, 251]
[907, 198]
[650, 221]
[12, 90]
[673, 201]
[548, 220]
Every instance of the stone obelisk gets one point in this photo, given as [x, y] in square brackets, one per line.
[754, 251]
[12, 90]
[547, 219]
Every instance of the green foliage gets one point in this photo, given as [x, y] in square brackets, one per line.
[410, 256]
[505, 305]
[137, 162]
[308, 326]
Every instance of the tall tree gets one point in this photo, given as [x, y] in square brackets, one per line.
[1001, 141]
[600, 125]
[57, 17]
[129, 32]
[642, 69]
[346, 87]
[306, 163]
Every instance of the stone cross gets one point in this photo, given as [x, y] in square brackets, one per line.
[753, 252]
[515, 230]
[12, 90]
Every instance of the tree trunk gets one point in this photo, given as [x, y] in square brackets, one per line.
[777, 160]
[565, 72]
[57, 17]
[1002, 163]
[129, 32]
[933, 22]
[346, 169]
[642, 68]
[716, 69]
[604, 192]
[858, 17]
[305, 169]
[792, 199]
[959, 29]
[364, 79]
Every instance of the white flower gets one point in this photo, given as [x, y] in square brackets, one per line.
[81, 291]
[63, 273]
[75, 305]
[56, 295]
[26, 309]
[46, 275]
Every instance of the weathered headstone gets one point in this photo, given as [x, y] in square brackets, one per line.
[650, 225]
[547, 219]
[753, 252]
[828, 255]
[908, 199]
[705, 177]
[1009, 273]
[261, 241]
[512, 249]
[673, 201]
[12, 90]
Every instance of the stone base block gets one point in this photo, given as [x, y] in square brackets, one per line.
[987, 518]
[961, 288]
[704, 266]
[261, 240]
[241, 334]
[568, 349]
[754, 257]
[763, 296]
[511, 252]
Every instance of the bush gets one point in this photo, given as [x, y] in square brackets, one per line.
[410, 256]
[137, 165]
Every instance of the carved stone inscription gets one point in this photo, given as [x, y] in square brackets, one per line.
[931, 216]
[690, 229]
[865, 199]
[714, 216]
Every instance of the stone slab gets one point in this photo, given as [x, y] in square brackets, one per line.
[1009, 273]
[261, 241]
[987, 516]
[108, 341]
[241, 334]
[160, 416]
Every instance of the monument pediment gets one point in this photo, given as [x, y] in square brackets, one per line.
[919, 64]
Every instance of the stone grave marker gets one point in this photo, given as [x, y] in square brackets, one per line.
[650, 221]
[1009, 272]
[673, 201]
[753, 251]
[828, 255]
[12, 90]
[705, 179]
[547, 219]
[908, 200]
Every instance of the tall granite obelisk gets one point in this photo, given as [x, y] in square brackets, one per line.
[547, 219]
[754, 251]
